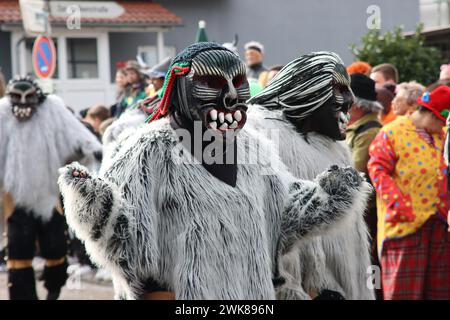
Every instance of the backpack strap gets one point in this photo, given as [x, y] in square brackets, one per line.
[366, 126]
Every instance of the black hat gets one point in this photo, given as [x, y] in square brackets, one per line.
[363, 87]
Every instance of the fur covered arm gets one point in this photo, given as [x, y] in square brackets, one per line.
[95, 210]
[83, 143]
[91, 204]
[322, 205]
[115, 213]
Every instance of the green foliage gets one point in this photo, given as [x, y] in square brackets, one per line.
[413, 60]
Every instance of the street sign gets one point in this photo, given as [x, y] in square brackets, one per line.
[88, 9]
[34, 17]
[44, 57]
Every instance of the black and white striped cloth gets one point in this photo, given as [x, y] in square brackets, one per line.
[303, 85]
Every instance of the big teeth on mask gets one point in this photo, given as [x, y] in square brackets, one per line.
[229, 117]
[213, 125]
[224, 126]
[234, 125]
[213, 114]
[238, 116]
[221, 117]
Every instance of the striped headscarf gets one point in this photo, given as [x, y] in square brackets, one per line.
[304, 85]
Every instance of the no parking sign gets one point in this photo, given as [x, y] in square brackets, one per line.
[44, 57]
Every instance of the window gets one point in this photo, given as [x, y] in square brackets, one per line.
[29, 42]
[150, 55]
[82, 62]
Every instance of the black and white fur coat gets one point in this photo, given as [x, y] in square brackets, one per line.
[337, 261]
[124, 126]
[32, 152]
[129, 119]
[151, 214]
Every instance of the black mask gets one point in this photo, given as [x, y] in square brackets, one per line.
[332, 118]
[314, 93]
[206, 87]
[214, 91]
[25, 96]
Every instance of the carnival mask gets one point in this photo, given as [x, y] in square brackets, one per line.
[25, 96]
[314, 94]
[214, 91]
[206, 87]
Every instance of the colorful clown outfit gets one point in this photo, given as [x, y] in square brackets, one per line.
[408, 171]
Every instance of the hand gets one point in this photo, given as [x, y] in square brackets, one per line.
[79, 174]
[448, 220]
[337, 179]
[74, 173]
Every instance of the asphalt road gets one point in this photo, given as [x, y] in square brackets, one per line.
[74, 290]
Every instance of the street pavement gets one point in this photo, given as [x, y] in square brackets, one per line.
[75, 289]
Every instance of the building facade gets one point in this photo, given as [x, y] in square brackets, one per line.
[287, 28]
[90, 38]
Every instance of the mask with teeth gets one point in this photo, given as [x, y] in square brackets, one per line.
[25, 96]
[210, 86]
[314, 94]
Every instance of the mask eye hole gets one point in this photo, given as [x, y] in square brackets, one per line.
[238, 81]
[346, 97]
[30, 97]
[214, 82]
[15, 96]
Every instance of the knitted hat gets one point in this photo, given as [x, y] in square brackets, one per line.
[359, 67]
[363, 87]
[437, 101]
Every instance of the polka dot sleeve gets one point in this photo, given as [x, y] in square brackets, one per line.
[381, 167]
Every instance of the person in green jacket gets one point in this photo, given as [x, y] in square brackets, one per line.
[363, 128]
[364, 124]
[135, 90]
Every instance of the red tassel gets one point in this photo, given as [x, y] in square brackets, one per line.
[161, 109]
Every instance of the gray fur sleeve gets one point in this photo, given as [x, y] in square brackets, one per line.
[96, 211]
[105, 211]
[322, 206]
[93, 210]
[91, 203]
[76, 135]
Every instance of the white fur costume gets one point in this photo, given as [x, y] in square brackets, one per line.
[32, 152]
[150, 216]
[129, 119]
[129, 122]
[338, 261]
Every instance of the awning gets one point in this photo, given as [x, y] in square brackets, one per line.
[431, 32]
[95, 14]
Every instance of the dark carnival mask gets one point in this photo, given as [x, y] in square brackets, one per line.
[314, 93]
[25, 95]
[207, 83]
